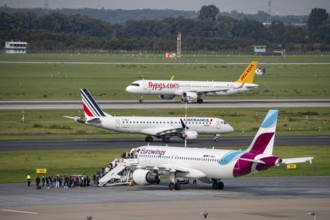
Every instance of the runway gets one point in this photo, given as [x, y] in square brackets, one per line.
[78, 144]
[243, 198]
[157, 104]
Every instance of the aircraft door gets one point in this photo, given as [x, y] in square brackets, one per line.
[218, 124]
[117, 123]
[145, 86]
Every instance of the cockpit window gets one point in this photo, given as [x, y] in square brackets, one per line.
[224, 122]
[135, 84]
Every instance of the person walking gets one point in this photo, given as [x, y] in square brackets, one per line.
[28, 179]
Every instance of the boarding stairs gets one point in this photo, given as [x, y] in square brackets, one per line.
[119, 175]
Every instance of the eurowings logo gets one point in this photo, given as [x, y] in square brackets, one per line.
[157, 152]
[246, 72]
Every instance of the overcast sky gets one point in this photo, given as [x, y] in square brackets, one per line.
[279, 7]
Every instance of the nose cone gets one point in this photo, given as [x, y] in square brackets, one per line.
[130, 89]
[229, 128]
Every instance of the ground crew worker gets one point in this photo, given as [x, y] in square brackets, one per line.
[28, 179]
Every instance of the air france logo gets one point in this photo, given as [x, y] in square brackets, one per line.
[247, 72]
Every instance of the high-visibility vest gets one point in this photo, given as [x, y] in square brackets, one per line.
[28, 177]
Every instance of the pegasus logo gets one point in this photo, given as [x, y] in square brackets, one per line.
[247, 72]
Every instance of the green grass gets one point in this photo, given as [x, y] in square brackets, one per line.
[108, 82]
[49, 124]
[191, 58]
[14, 165]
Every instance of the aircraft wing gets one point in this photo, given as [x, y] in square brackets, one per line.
[162, 131]
[297, 160]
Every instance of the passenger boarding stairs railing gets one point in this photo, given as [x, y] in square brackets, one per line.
[119, 175]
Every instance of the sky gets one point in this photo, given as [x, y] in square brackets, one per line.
[279, 7]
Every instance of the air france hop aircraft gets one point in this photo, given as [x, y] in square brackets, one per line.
[160, 127]
[208, 165]
[192, 91]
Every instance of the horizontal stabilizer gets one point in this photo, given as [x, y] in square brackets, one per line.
[76, 118]
[297, 160]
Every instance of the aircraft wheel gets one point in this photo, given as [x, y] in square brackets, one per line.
[177, 186]
[171, 186]
[199, 100]
[221, 185]
[216, 139]
[166, 140]
[214, 185]
[140, 100]
[149, 139]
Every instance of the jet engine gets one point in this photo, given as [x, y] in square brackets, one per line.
[166, 96]
[144, 177]
[189, 96]
[190, 135]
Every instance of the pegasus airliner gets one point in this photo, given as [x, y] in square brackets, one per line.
[208, 165]
[160, 127]
[192, 91]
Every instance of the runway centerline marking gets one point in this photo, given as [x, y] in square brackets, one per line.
[18, 211]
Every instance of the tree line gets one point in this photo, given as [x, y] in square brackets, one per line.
[210, 31]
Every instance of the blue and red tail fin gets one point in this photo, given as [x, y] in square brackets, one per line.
[91, 108]
[263, 142]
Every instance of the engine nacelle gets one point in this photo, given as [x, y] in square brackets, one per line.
[190, 135]
[166, 96]
[189, 96]
[144, 177]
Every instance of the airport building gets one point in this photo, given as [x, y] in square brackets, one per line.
[16, 47]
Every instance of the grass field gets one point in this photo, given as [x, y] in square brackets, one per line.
[145, 57]
[108, 82]
[14, 165]
[292, 122]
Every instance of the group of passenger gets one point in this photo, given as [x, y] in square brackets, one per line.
[48, 182]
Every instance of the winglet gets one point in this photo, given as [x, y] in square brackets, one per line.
[249, 73]
[183, 124]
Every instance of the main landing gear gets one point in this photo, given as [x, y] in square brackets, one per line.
[217, 184]
[149, 139]
[200, 100]
[174, 186]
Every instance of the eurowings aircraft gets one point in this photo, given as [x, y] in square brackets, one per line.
[208, 165]
[161, 127]
[192, 91]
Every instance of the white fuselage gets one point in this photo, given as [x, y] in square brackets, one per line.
[153, 125]
[177, 88]
[200, 162]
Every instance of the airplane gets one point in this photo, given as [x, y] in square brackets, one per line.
[161, 127]
[192, 91]
[208, 165]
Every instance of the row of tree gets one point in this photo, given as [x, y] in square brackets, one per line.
[208, 32]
